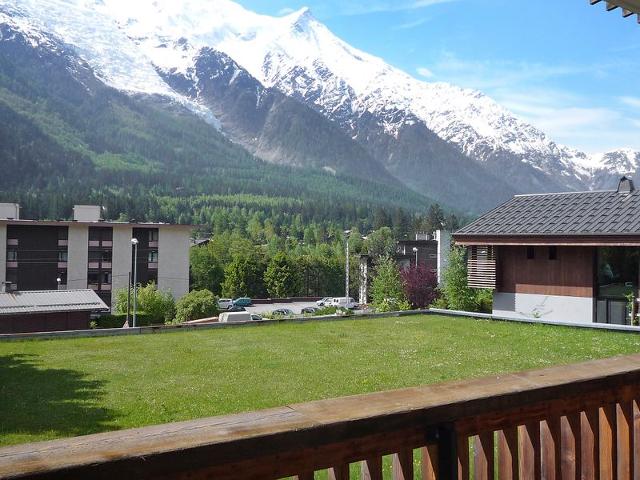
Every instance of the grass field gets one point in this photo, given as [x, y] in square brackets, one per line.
[58, 388]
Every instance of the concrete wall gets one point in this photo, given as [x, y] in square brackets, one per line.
[78, 256]
[10, 210]
[173, 260]
[552, 308]
[444, 247]
[3, 253]
[121, 259]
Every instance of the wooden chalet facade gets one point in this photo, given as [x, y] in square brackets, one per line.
[567, 257]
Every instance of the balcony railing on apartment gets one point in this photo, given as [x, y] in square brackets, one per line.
[577, 421]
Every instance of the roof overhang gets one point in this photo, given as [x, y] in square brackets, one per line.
[628, 7]
[555, 240]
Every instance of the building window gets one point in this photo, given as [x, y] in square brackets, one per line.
[553, 253]
[106, 278]
[63, 256]
[93, 278]
[12, 255]
[153, 235]
[107, 255]
[531, 253]
[153, 257]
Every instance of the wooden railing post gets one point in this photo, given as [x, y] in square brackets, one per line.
[448, 453]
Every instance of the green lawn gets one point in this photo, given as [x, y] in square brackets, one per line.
[59, 388]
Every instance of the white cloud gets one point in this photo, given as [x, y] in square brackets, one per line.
[285, 11]
[411, 24]
[424, 72]
[633, 102]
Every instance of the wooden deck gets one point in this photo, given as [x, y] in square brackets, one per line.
[576, 421]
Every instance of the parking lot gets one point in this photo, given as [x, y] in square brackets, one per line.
[267, 308]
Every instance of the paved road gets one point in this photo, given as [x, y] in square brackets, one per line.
[295, 306]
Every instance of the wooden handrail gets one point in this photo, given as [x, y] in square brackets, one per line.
[303, 438]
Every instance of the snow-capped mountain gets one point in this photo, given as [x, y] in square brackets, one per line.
[455, 144]
[607, 167]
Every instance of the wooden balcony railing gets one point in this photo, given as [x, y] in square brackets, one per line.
[579, 421]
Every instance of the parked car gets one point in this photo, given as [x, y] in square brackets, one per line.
[325, 302]
[309, 310]
[283, 312]
[344, 302]
[225, 303]
[236, 308]
[243, 302]
[230, 317]
[256, 318]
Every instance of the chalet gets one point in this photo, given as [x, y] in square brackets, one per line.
[567, 257]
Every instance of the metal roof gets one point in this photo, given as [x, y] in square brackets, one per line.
[559, 214]
[46, 301]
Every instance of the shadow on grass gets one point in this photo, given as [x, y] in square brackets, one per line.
[47, 402]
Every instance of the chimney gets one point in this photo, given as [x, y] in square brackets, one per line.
[87, 213]
[10, 211]
[625, 185]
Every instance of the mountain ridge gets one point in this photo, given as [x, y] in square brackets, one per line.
[454, 144]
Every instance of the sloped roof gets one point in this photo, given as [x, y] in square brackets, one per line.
[628, 7]
[560, 214]
[47, 301]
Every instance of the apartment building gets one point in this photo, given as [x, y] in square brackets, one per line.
[90, 253]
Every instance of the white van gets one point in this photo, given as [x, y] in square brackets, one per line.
[229, 317]
[344, 302]
[225, 303]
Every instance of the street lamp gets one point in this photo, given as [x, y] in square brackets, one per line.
[346, 266]
[134, 242]
[59, 281]
[415, 250]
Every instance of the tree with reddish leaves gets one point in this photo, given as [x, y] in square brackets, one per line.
[420, 285]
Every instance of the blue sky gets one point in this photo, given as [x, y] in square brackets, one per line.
[571, 69]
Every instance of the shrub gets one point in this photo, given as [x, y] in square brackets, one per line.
[420, 286]
[387, 288]
[456, 292]
[196, 305]
[159, 306]
[325, 311]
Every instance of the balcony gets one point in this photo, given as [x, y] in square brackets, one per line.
[63, 242]
[94, 243]
[93, 286]
[105, 287]
[12, 242]
[12, 264]
[153, 244]
[107, 244]
[152, 265]
[94, 265]
[576, 421]
[106, 265]
[62, 264]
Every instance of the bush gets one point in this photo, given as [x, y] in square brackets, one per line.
[457, 295]
[420, 286]
[196, 305]
[325, 311]
[387, 288]
[159, 306]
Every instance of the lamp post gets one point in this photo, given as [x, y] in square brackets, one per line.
[346, 266]
[59, 281]
[415, 250]
[134, 242]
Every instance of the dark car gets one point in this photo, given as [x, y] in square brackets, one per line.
[309, 310]
[283, 312]
[236, 308]
[243, 302]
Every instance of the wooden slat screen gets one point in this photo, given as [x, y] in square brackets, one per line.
[481, 266]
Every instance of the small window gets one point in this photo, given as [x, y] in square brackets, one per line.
[531, 253]
[106, 278]
[153, 257]
[553, 253]
[153, 235]
[107, 256]
[63, 256]
[12, 255]
[93, 278]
